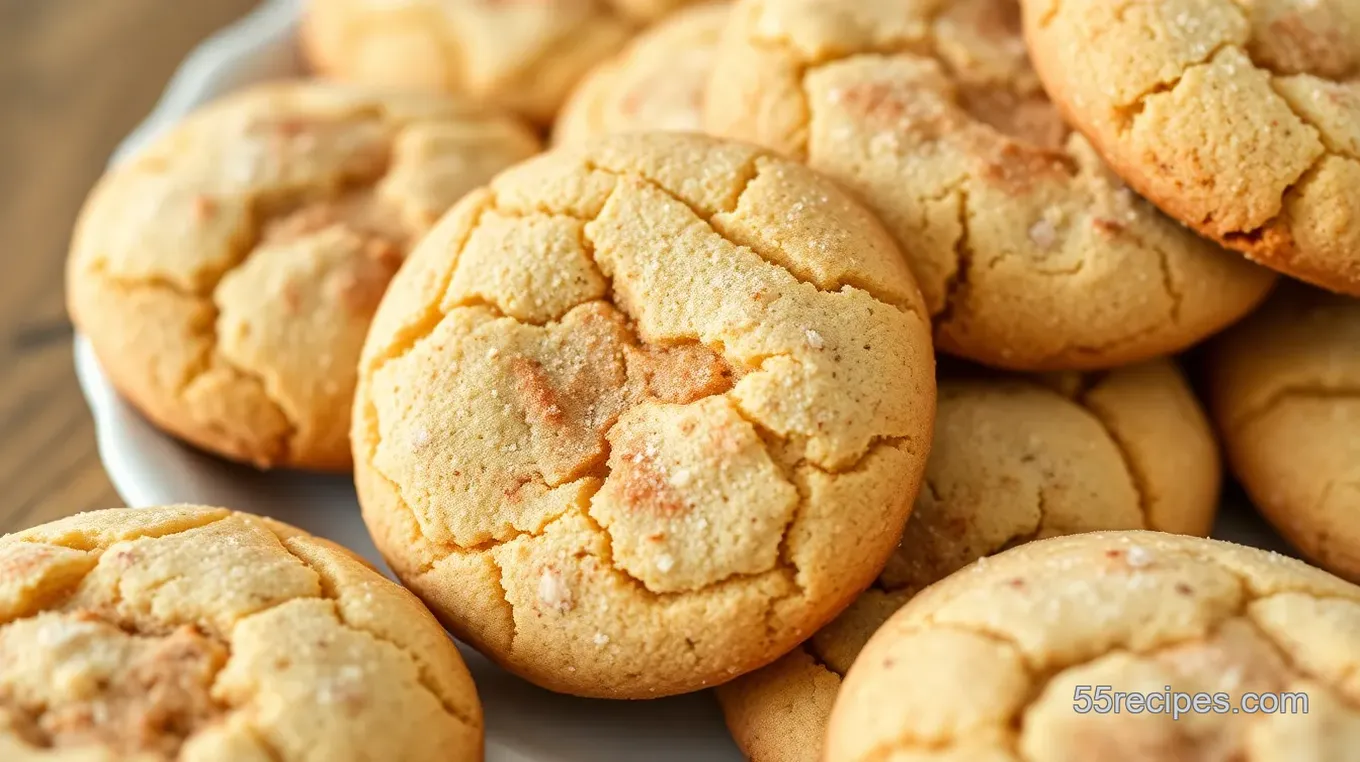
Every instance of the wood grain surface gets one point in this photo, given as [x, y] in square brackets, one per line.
[75, 77]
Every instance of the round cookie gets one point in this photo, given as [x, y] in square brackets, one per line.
[1240, 119]
[656, 83]
[524, 55]
[227, 274]
[987, 664]
[1285, 392]
[1012, 461]
[204, 635]
[645, 413]
[1030, 253]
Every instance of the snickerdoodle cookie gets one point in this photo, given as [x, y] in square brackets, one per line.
[524, 55]
[1241, 118]
[656, 83]
[1012, 461]
[1021, 656]
[199, 634]
[1030, 253]
[1285, 392]
[227, 274]
[645, 413]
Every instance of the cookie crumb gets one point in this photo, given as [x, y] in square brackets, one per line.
[665, 563]
[553, 591]
[814, 339]
[600, 639]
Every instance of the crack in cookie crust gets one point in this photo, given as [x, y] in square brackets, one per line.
[641, 477]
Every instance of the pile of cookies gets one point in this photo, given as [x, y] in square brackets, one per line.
[658, 409]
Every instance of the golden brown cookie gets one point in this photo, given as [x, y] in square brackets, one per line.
[1239, 118]
[227, 274]
[1285, 393]
[524, 55]
[990, 663]
[645, 413]
[1031, 254]
[199, 634]
[656, 83]
[1013, 460]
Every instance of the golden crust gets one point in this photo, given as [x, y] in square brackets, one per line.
[1031, 254]
[695, 444]
[984, 665]
[200, 634]
[523, 56]
[1242, 120]
[226, 276]
[1013, 460]
[1285, 392]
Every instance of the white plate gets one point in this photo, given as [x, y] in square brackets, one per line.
[524, 723]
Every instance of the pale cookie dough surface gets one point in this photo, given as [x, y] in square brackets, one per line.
[1013, 460]
[1241, 118]
[226, 276]
[651, 10]
[198, 634]
[1285, 392]
[656, 83]
[1030, 253]
[645, 413]
[985, 665]
[524, 55]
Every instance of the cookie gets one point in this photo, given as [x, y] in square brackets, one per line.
[1240, 119]
[200, 634]
[1030, 253]
[656, 83]
[523, 55]
[227, 274]
[1285, 393]
[645, 413]
[990, 664]
[1013, 460]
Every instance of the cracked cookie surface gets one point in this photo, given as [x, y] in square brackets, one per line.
[1014, 459]
[644, 413]
[227, 274]
[1030, 253]
[656, 83]
[199, 634]
[523, 55]
[1241, 118]
[1285, 393]
[984, 665]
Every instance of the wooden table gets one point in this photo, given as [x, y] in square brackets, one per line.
[75, 76]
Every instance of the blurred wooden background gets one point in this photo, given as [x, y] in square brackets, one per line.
[75, 77]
